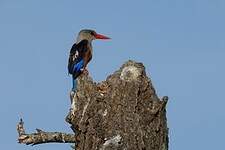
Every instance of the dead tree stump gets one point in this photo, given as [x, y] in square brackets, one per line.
[121, 113]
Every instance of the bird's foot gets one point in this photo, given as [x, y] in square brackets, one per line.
[85, 71]
[72, 94]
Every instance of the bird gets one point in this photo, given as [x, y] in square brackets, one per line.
[81, 54]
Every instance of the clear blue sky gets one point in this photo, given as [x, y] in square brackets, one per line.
[181, 43]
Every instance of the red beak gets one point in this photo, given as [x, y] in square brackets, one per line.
[100, 36]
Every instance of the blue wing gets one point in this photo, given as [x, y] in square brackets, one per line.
[77, 67]
[76, 62]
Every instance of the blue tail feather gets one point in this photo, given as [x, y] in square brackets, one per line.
[76, 72]
[74, 82]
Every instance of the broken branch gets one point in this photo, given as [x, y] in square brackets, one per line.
[41, 136]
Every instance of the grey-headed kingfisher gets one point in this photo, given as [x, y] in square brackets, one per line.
[81, 53]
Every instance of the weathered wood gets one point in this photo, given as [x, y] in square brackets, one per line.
[41, 137]
[123, 112]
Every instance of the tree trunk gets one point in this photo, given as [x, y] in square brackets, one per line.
[121, 113]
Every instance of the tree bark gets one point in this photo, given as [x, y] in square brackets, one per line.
[42, 137]
[121, 113]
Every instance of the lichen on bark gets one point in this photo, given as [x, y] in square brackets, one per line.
[122, 112]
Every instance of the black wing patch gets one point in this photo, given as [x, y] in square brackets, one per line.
[76, 54]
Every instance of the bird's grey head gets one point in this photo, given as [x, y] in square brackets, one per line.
[86, 34]
[90, 35]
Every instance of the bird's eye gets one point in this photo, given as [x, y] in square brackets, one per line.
[92, 33]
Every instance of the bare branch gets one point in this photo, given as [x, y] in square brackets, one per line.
[41, 136]
[20, 128]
